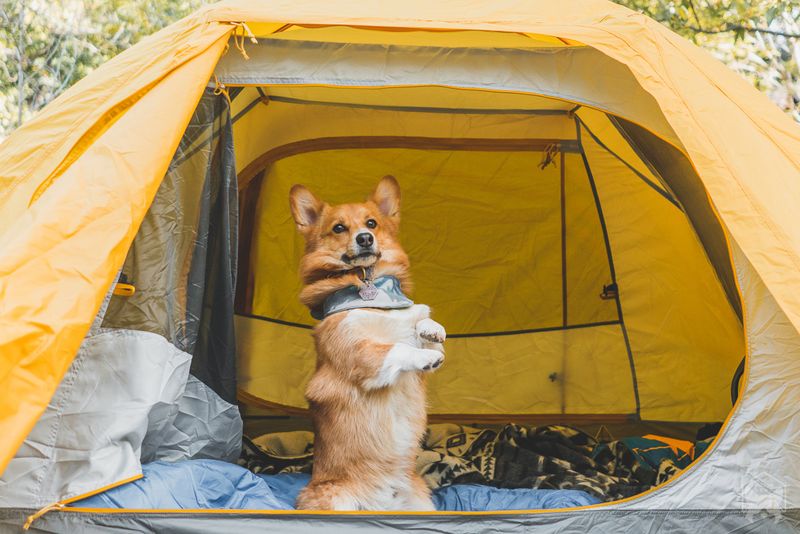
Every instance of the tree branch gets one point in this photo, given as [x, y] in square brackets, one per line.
[20, 46]
[694, 12]
[738, 27]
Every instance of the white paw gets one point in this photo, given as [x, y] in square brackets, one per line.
[428, 359]
[430, 330]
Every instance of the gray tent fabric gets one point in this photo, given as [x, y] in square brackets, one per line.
[583, 522]
[122, 386]
[532, 70]
[206, 426]
[127, 399]
[212, 278]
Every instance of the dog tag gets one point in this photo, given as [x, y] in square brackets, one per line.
[369, 291]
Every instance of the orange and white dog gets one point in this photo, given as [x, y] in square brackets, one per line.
[374, 345]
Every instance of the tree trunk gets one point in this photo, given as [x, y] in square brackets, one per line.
[20, 65]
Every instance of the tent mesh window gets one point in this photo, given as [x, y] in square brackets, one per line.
[183, 259]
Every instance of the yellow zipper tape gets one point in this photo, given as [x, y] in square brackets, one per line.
[62, 504]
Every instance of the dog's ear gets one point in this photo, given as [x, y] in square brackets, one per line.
[306, 208]
[387, 197]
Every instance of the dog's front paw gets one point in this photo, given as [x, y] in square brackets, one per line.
[428, 359]
[430, 330]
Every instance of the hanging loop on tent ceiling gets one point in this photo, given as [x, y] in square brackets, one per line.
[221, 89]
[40, 513]
[240, 32]
[549, 155]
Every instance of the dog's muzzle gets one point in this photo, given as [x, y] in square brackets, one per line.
[363, 250]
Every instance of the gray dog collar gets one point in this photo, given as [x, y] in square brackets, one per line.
[386, 295]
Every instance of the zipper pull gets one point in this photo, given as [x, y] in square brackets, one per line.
[40, 513]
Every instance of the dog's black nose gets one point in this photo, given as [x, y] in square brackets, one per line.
[365, 239]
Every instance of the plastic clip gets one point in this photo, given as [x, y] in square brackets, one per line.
[123, 287]
[610, 292]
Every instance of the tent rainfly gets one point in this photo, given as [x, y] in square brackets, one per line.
[602, 215]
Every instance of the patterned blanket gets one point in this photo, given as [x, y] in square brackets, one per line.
[545, 457]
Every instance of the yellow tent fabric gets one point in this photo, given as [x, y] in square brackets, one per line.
[76, 181]
[491, 234]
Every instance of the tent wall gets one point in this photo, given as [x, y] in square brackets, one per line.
[685, 338]
[685, 186]
[498, 224]
[754, 463]
[502, 218]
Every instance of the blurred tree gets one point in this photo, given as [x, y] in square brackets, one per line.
[46, 46]
[760, 39]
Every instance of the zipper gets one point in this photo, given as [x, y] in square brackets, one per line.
[62, 504]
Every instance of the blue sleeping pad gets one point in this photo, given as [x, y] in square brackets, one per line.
[211, 484]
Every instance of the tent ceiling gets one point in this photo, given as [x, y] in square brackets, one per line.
[574, 74]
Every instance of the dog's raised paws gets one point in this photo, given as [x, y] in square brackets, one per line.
[434, 365]
[430, 330]
[429, 359]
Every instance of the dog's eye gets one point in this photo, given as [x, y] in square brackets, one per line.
[371, 223]
[339, 228]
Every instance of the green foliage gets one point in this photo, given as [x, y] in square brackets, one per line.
[736, 17]
[46, 46]
[760, 39]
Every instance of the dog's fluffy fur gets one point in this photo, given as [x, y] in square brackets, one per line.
[367, 396]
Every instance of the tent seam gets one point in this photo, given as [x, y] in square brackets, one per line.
[641, 176]
[612, 270]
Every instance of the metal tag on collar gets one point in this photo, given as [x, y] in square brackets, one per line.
[369, 291]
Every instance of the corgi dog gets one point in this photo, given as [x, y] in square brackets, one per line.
[374, 347]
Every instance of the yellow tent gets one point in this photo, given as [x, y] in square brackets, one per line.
[599, 213]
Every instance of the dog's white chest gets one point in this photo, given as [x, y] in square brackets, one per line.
[388, 326]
